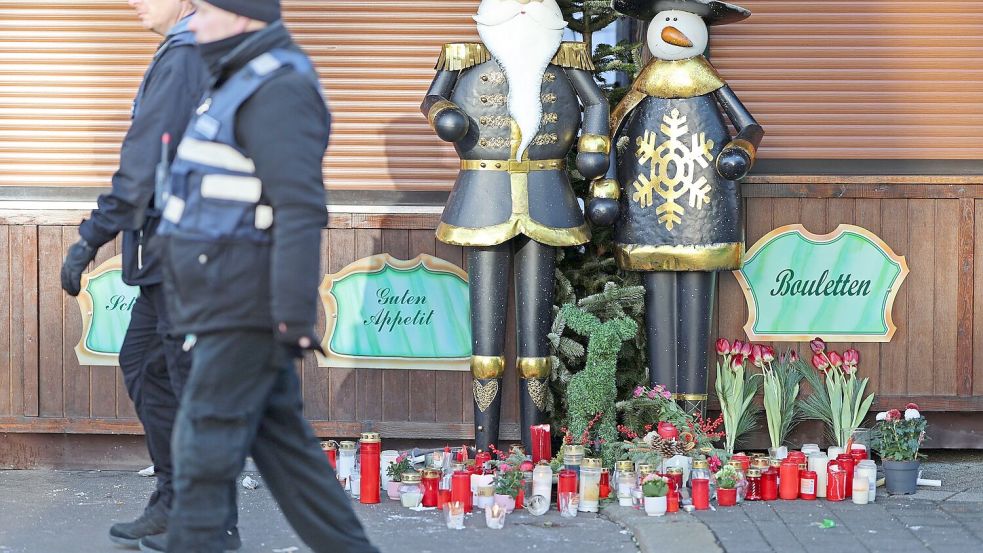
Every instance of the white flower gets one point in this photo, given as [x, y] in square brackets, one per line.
[882, 416]
[910, 414]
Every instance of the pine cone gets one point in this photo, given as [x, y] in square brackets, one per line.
[668, 448]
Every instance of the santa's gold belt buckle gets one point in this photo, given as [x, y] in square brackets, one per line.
[513, 166]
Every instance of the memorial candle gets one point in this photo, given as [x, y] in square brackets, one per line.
[542, 447]
[461, 489]
[788, 474]
[370, 472]
[330, 449]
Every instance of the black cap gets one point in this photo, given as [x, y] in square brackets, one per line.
[260, 10]
[713, 12]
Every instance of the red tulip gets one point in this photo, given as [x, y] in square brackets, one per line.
[736, 348]
[737, 362]
[912, 406]
[793, 355]
[756, 354]
[767, 354]
[894, 415]
[723, 347]
[820, 362]
[851, 357]
[835, 359]
[746, 349]
[818, 345]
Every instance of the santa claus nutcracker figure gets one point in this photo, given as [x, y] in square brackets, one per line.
[513, 106]
[672, 188]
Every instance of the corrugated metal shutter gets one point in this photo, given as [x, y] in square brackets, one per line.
[831, 79]
[890, 79]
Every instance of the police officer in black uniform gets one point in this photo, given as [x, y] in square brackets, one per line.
[241, 240]
[153, 363]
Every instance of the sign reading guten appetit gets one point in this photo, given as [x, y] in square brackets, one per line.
[839, 287]
[386, 313]
[106, 303]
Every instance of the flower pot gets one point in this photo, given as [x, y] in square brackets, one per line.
[655, 506]
[727, 497]
[901, 477]
[778, 452]
[392, 490]
[506, 502]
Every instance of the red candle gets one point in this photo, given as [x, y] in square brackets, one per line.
[846, 463]
[567, 482]
[480, 459]
[807, 484]
[753, 492]
[769, 485]
[461, 489]
[430, 482]
[858, 455]
[604, 488]
[675, 475]
[331, 451]
[835, 482]
[667, 431]
[744, 459]
[443, 497]
[672, 502]
[370, 485]
[788, 474]
[542, 446]
[701, 493]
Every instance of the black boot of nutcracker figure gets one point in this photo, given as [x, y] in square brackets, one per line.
[673, 189]
[511, 105]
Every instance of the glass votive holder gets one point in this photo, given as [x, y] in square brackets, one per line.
[454, 515]
[495, 517]
[356, 481]
[569, 502]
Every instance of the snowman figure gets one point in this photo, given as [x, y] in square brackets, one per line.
[672, 191]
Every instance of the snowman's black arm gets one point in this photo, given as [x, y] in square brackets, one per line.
[749, 132]
[595, 143]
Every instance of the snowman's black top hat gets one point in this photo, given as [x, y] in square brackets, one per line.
[713, 11]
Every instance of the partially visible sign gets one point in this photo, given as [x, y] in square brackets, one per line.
[386, 313]
[106, 303]
[839, 287]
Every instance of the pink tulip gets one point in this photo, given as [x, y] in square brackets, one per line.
[723, 346]
[835, 359]
[746, 349]
[756, 355]
[818, 345]
[736, 348]
[793, 355]
[820, 362]
[737, 362]
[851, 357]
[767, 354]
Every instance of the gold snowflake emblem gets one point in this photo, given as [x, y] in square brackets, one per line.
[673, 166]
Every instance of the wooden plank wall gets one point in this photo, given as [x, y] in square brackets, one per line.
[935, 357]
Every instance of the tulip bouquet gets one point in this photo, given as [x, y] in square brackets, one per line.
[837, 397]
[736, 387]
[781, 385]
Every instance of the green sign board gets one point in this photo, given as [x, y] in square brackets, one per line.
[386, 313]
[105, 303]
[839, 287]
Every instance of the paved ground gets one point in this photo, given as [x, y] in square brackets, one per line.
[68, 512]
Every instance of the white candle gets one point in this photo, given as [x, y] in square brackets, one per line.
[834, 451]
[817, 464]
[860, 490]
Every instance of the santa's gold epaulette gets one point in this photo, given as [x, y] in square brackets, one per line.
[462, 55]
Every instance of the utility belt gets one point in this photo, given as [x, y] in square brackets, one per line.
[512, 166]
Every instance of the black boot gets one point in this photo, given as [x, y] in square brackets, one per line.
[697, 292]
[487, 411]
[152, 521]
[158, 543]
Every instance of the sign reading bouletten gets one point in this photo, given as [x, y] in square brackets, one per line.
[386, 313]
[106, 303]
[839, 287]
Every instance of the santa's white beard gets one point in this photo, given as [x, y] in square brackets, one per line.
[524, 48]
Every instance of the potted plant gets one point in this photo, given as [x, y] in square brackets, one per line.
[655, 488]
[897, 438]
[781, 387]
[726, 486]
[507, 482]
[736, 387]
[837, 397]
[395, 472]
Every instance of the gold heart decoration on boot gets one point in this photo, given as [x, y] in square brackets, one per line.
[537, 392]
[485, 394]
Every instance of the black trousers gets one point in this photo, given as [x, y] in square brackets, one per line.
[155, 369]
[244, 396]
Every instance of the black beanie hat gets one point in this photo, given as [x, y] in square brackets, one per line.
[260, 10]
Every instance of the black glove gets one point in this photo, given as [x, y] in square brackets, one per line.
[603, 211]
[592, 164]
[297, 338]
[733, 163]
[78, 258]
[451, 124]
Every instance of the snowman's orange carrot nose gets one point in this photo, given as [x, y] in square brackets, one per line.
[675, 37]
